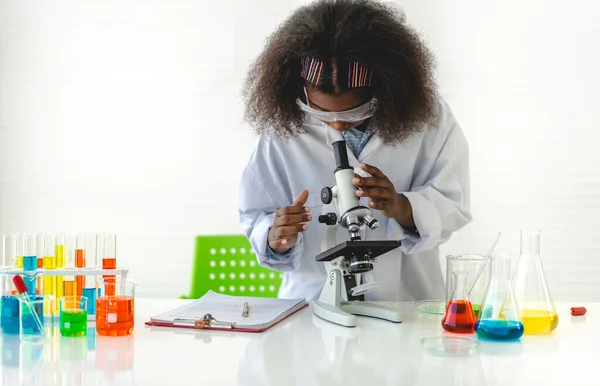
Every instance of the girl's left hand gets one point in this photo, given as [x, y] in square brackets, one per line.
[382, 193]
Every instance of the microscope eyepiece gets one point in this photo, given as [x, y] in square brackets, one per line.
[340, 151]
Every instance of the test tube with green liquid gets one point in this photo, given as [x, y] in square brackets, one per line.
[49, 281]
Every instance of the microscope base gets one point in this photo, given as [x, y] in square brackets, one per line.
[373, 310]
[333, 314]
[344, 315]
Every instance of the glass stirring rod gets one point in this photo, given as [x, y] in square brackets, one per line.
[488, 255]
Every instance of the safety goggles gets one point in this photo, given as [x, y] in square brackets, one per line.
[356, 114]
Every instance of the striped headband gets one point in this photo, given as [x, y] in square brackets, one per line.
[358, 75]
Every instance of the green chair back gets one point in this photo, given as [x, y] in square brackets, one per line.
[227, 264]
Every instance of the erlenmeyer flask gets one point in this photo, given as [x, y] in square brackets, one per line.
[459, 317]
[538, 312]
[499, 318]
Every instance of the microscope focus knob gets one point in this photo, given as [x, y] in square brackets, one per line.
[326, 195]
[328, 219]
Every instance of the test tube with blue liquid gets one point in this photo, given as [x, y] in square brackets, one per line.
[30, 264]
[90, 288]
[9, 312]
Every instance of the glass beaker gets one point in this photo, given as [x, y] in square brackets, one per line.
[115, 308]
[459, 317]
[472, 265]
[32, 310]
[73, 316]
[499, 318]
[538, 312]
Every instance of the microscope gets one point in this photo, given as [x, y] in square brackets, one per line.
[342, 297]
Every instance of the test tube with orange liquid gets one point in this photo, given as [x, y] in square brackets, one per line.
[115, 312]
[69, 285]
[80, 260]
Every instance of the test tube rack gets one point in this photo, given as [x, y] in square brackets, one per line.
[85, 271]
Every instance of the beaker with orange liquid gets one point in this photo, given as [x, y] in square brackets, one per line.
[115, 308]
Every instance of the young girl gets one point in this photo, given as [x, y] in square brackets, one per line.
[352, 70]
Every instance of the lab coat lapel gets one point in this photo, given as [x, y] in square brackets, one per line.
[373, 143]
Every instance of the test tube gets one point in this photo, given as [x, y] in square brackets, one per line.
[41, 251]
[10, 251]
[70, 286]
[90, 289]
[60, 246]
[69, 283]
[80, 260]
[20, 250]
[49, 265]
[30, 263]
[107, 245]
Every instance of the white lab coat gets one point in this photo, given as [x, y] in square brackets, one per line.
[431, 169]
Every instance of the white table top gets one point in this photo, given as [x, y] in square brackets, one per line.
[305, 350]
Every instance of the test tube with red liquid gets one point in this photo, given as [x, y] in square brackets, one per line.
[107, 247]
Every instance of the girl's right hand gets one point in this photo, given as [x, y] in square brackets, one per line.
[288, 222]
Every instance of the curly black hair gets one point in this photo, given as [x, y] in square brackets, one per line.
[342, 31]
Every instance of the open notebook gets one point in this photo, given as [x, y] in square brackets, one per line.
[224, 312]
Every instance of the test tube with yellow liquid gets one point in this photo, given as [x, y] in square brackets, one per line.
[20, 250]
[60, 246]
[49, 281]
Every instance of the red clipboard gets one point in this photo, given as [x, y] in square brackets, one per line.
[198, 325]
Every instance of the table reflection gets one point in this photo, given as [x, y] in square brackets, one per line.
[68, 361]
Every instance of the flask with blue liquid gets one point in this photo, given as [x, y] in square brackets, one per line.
[499, 318]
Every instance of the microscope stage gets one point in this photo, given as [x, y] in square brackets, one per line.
[373, 248]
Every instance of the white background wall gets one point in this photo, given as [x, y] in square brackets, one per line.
[125, 116]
